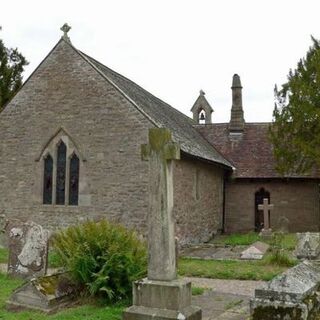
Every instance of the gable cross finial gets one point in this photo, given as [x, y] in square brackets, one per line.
[65, 28]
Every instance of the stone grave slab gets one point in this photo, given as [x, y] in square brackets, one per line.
[308, 246]
[47, 294]
[283, 224]
[28, 249]
[255, 252]
[291, 295]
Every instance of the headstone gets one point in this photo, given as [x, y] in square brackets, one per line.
[28, 249]
[161, 295]
[291, 295]
[283, 224]
[308, 246]
[47, 294]
[266, 232]
[255, 252]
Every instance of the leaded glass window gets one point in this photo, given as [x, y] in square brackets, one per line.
[47, 180]
[74, 180]
[61, 173]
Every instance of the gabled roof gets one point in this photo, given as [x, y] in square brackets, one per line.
[250, 152]
[160, 114]
[201, 103]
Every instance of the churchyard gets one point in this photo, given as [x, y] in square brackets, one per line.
[98, 264]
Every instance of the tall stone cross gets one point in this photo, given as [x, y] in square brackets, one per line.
[266, 207]
[160, 152]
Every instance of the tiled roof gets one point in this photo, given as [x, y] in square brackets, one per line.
[162, 115]
[250, 152]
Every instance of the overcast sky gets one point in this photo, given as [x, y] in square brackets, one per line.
[174, 48]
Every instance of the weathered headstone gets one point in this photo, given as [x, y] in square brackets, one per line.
[283, 224]
[255, 252]
[47, 294]
[28, 249]
[308, 246]
[161, 295]
[291, 295]
[266, 207]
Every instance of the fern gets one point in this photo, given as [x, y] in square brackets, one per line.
[103, 258]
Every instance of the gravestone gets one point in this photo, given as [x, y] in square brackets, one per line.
[28, 249]
[161, 295]
[308, 246]
[266, 232]
[255, 252]
[47, 294]
[283, 224]
[292, 295]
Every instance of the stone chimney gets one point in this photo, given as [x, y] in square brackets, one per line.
[236, 124]
[201, 109]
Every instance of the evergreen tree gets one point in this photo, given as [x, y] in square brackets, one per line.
[12, 64]
[295, 132]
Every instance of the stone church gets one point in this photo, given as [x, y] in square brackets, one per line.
[70, 151]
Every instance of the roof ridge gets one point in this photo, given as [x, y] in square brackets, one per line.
[192, 142]
[127, 79]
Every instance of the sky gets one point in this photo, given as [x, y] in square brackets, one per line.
[174, 48]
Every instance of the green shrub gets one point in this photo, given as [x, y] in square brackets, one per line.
[102, 257]
[278, 255]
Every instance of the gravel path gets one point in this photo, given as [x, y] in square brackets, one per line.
[240, 287]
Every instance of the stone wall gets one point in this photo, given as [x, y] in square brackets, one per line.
[297, 200]
[198, 200]
[66, 98]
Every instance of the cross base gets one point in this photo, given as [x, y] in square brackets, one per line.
[266, 234]
[162, 300]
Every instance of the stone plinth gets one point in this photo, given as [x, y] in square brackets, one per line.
[162, 300]
[291, 295]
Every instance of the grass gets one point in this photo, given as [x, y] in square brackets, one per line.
[196, 291]
[288, 243]
[226, 269]
[86, 312]
[3, 255]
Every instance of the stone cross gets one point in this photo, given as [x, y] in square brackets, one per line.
[266, 207]
[160, 152]
[65, 28]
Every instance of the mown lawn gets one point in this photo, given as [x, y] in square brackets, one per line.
[226, 269]
[289, 240]
[88, 311]
[3, 255]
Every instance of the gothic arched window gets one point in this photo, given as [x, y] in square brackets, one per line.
[47, 180]
[74, 180]
[61, 173]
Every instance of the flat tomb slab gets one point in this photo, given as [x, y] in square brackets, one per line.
[46, 294]
[291, 295]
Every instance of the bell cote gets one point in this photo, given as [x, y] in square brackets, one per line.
[202, 110]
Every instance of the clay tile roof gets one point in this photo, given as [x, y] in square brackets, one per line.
[162, 115]
[251, 153]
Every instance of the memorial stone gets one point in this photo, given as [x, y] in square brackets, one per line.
[161, 295]
[28, 249]
[293, 295]
[308, 246]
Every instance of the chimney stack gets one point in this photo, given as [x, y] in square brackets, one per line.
[236, 124]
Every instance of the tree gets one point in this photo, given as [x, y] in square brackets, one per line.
[12, 64]
[295, 132]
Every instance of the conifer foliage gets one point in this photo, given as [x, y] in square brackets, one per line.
[12, 64]
[295, 132]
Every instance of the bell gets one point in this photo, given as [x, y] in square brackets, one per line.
[202, 117]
